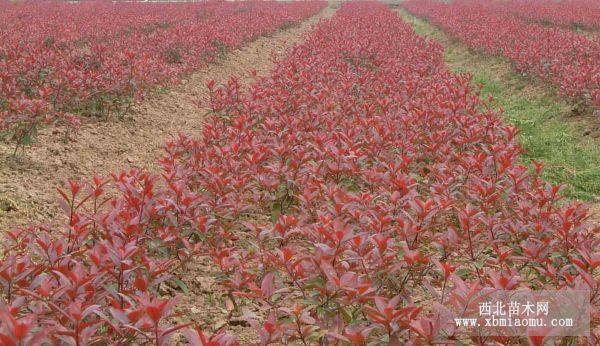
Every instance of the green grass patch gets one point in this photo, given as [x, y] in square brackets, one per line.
[547, 133]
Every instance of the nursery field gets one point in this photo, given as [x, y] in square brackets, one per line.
[303, 173]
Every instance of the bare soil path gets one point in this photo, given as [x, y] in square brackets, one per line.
[28, 184]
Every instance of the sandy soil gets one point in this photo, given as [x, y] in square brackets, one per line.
[595, 214]
[28, 183]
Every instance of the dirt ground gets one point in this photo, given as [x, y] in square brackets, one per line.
[595, 213]
[28, 183]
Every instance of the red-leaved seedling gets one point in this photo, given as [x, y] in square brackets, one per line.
[359, 193]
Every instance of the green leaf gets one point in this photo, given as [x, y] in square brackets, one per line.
[463, 272]
[347, 315]
[182, 286]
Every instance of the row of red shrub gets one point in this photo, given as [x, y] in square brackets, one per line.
[568, 13]
[359, 193]
[58, 59]
[562, 57]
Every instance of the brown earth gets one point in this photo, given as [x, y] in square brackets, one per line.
[595, 214]
[28, 183]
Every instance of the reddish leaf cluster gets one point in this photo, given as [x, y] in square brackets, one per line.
[96, 279]
[564, 58]
[568, 13]
[359, 193]
[58, 59]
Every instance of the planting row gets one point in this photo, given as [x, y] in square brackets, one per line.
[568, 13]
[559, 56]
[359, 193]
[96, 58]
